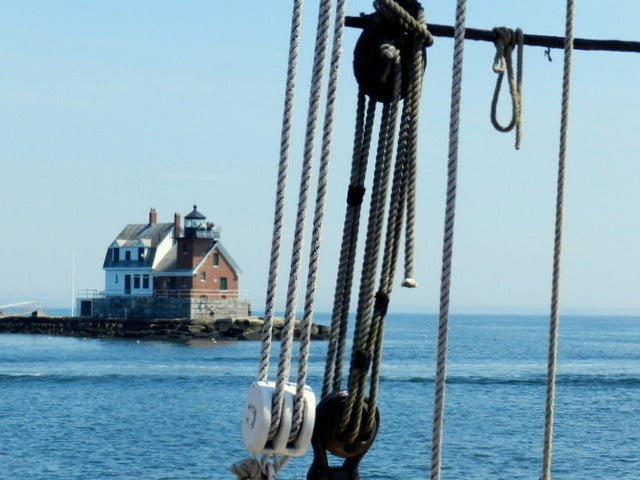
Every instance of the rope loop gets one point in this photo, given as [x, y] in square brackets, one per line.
[505, 41]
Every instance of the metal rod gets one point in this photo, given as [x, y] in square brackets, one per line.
[531, 40]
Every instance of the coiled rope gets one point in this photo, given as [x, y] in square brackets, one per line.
[447, 244]
[557, 245]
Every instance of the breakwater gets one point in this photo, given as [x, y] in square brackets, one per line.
[244, 328]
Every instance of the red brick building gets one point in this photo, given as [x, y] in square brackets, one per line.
[197, 265]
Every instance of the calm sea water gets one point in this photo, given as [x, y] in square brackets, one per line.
[119, 409]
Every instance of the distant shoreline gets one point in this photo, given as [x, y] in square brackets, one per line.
[246, 328]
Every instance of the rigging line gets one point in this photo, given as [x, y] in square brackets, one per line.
[397, 207]
[344, 277]
[305, 333]
[529, 39]
[359, 357]
[554, 317]
[447, 243]
[276, 242]
[284, 361]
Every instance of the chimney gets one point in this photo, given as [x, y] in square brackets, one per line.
[176, 225]
[153, 216]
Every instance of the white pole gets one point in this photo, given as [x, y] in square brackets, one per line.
[73, 284]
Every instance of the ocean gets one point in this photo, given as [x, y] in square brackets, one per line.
[74, 408]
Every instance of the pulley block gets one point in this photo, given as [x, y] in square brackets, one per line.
[372, 66]
[258, 411]
[327, 438]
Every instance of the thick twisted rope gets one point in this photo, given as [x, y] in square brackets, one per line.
[414, 94]
[360, 358]
[305, 333]
[397, 204]
[276, 242]
[506, 40]
[284, 360]
[344, 280]
[447, 244]
[401, 204]
[395, 12]
[554, 318]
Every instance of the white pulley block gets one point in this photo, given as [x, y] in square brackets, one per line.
[257, 419]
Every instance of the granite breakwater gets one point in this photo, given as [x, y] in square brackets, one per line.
[245, 328]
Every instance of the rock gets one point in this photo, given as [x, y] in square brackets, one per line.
[243, 328]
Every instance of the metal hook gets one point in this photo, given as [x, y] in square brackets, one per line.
[327, 438]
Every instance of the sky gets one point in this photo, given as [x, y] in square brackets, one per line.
[110, 108]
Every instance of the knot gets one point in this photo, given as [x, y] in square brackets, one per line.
[389, 52]
[409, 283]
[391, 55]
[505, 41]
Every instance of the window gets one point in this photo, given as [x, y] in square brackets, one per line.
[203, 276]
[141, 254]
[223, 283]
[127, 255]
[136, 281]
[116, 254]
[216, 259]
[145, 281]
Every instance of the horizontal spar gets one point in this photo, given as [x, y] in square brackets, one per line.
[531, 40]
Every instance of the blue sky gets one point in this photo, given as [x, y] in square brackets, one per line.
[110, 108]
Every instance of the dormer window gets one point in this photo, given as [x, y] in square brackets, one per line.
[127, 255]
[116, 254]
[141, 254]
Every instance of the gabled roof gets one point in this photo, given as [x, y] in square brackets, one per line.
[168, 266]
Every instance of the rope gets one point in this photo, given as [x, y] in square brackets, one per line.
[267, 327]
[344, 280]
[554, 318]
[253, 468]
[447, 247]
[413, 97]
[284, 361]
[395, 12]
[506, 40]
[323, 175]
[360, 356]
[371, 309]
